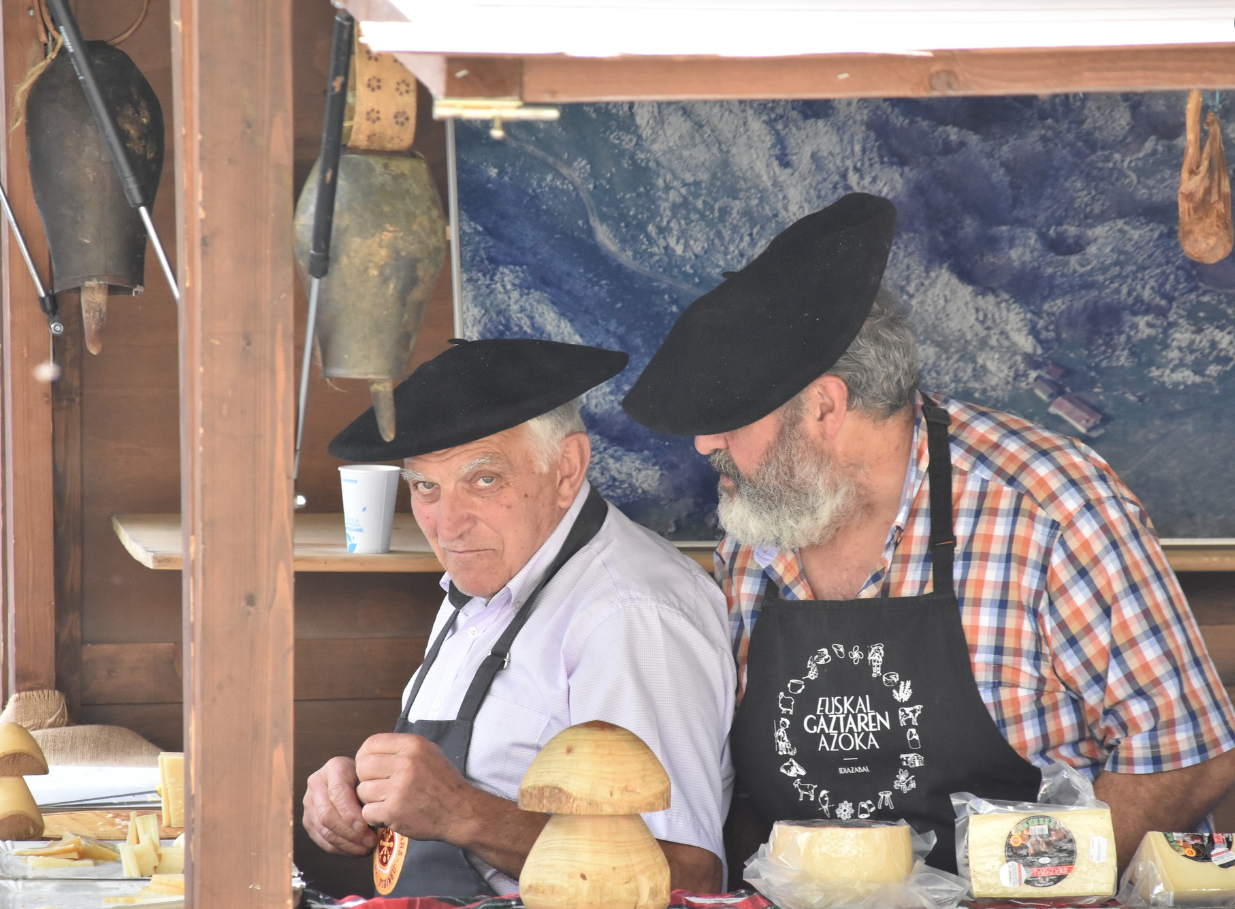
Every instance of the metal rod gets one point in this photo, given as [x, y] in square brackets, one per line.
[456, 259]
[134, 189]
[158, 251]
[323, 207]
[46, 301]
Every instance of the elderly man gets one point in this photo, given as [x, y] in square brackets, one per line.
[938, 597]
[560, 610]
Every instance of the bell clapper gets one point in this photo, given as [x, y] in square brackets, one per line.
[94, 313]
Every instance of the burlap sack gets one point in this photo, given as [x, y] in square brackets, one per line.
[43, 709]
[96, 746]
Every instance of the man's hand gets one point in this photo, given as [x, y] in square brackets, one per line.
[1171, 800]
[407, 784]
[332, 814]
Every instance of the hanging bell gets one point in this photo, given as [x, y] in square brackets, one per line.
[96, 239]
[386, 249]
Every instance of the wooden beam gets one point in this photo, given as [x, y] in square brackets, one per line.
[28, 515]
[562, 79]
[234, 153]
[327, 669]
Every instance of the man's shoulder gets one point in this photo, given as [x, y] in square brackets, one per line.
[622, 544]
[1059, 473]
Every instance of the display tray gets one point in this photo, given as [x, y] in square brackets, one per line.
[37, 894]
[15, 867]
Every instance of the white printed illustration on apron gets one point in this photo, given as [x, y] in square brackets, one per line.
[783, 745]
[846, 725]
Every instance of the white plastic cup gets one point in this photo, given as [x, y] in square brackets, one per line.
[369, 492]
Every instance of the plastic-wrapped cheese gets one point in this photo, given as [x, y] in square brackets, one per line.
[1183, 869]
[861, 852]
[1043, 854]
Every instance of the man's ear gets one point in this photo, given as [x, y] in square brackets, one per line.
[572, 464]
[826, 405]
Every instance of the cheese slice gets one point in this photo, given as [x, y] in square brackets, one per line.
[171, 787]
[858, 852]
[19, 815]
[20, 754]
[1044, 854]
[1175, 869]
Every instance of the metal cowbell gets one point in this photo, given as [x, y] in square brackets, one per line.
[96, 238]
[386, 249]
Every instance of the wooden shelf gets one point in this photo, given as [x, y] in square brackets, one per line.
[154, 540]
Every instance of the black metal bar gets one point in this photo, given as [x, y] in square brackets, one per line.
[47, 301]
[332, 143]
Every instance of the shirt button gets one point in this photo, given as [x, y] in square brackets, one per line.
[472, 632]
[437, 705]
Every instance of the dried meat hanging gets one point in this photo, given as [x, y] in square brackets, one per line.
[388, 238]
[1205, 230]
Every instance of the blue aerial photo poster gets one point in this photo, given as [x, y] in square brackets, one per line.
[1036, 253]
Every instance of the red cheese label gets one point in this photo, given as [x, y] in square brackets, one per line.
[1040, 852]
[388, 860]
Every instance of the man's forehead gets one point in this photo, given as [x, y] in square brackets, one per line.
[503, 447]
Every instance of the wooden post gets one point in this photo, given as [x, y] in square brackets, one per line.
[233, 127]
[29, 543]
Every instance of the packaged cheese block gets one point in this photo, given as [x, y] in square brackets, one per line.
[1184, 869]
[171, 787]
[20, 754]
[19, 815]
[859, 852]
[1052, 853]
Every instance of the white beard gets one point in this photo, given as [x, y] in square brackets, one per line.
[797, 498]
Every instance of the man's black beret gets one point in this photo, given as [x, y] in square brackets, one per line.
[475, 389]
[753, 342]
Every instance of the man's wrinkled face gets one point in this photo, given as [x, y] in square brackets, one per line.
[485, 508]
[794, 495]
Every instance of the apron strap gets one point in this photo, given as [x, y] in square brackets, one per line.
[939, 469]
[458, 604]
[586, 526]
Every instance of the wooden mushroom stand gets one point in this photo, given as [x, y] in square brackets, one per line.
[20, 756]
[596, 852]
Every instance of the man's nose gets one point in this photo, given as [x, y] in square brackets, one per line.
[705, 445]
[453, 518]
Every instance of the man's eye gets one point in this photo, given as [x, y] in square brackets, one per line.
[486, 480]
[424, 486]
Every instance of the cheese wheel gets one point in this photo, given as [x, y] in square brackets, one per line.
[861, 852]
[1174, 869]
[1044, 854]
[20, 754]
[19, 815]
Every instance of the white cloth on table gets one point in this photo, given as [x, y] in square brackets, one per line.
[630, 631]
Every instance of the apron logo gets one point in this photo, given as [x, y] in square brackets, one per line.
[388, 860]
[846, 724]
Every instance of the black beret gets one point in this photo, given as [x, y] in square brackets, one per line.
[750, 344]
[475, 389]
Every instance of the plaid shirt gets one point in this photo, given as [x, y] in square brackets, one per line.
[1082, 643]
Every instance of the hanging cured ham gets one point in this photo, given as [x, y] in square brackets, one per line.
[1205, 230]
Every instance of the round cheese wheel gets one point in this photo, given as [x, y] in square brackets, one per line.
[869, 852]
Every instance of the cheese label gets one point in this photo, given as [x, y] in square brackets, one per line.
[1203, 847]
[388, 860]
[1040, 852]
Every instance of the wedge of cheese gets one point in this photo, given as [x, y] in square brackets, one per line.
[1056, 852]
[171, 787]
[858, 852]
[20, 754]
[19, 815]
[1184, 869]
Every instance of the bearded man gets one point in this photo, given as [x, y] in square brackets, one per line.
[939, 597]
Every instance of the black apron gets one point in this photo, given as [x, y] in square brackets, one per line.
[406, 867]
[868, 708]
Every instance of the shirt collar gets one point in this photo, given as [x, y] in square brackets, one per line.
[525, 581]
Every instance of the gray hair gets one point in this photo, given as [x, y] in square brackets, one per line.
[881, 366]
[546, 432]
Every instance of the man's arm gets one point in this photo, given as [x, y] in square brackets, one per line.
[1173, 800]
[407, 783]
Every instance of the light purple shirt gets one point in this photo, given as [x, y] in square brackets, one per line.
[629, 631]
